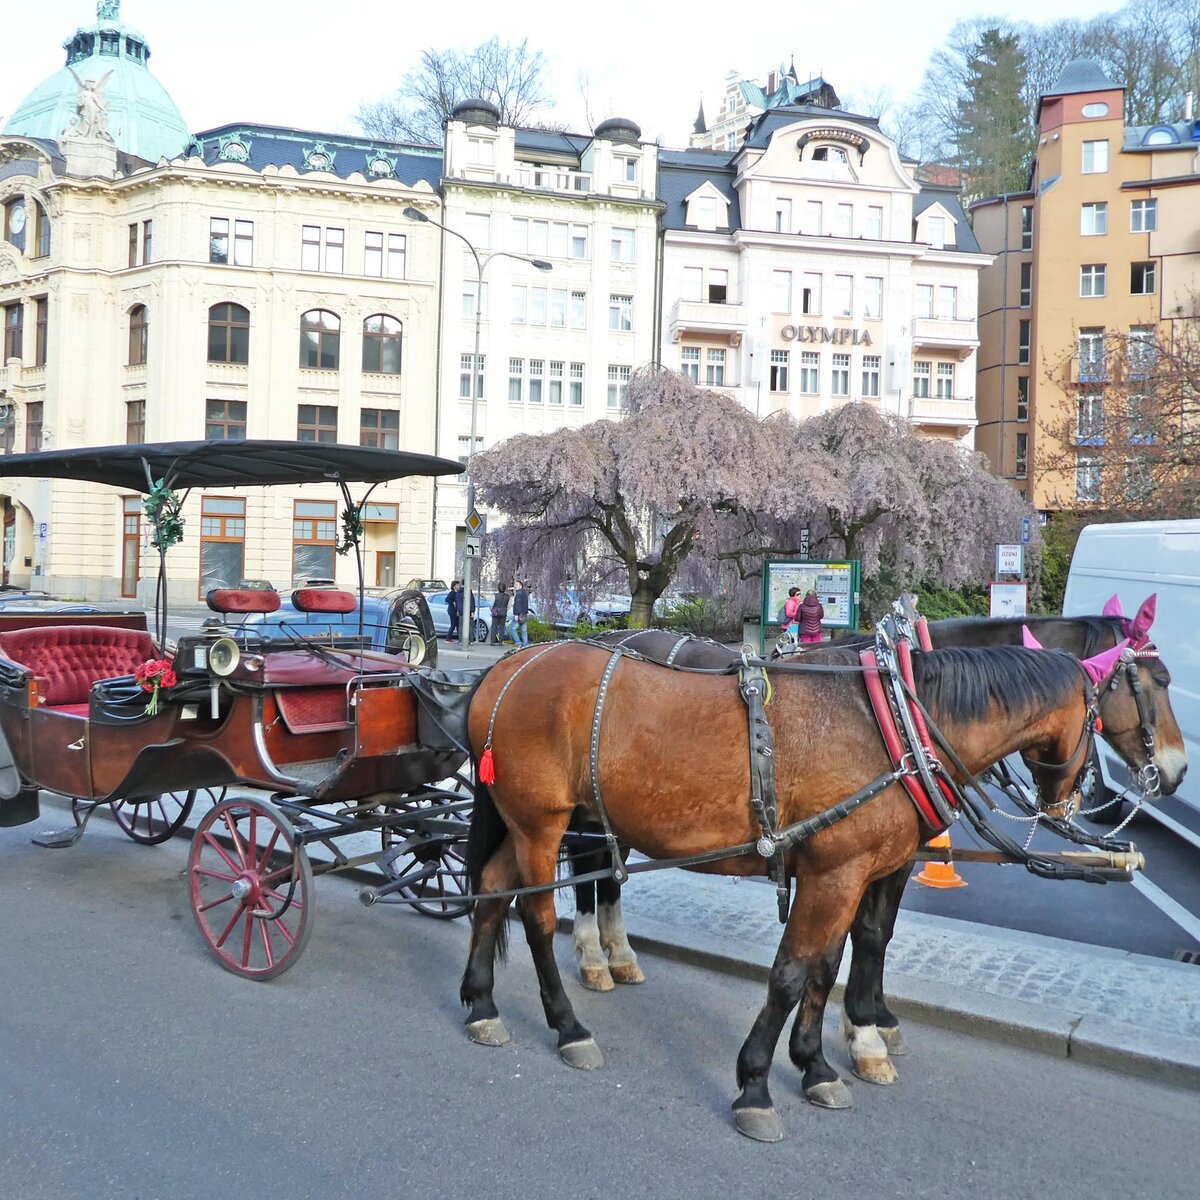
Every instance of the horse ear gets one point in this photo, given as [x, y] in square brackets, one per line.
[1028, 640]
[1100, 666]
[1112, 607]
[1140, 625]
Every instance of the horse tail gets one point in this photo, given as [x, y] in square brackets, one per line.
[484, 837]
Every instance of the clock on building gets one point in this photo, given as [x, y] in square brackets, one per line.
[16, 217]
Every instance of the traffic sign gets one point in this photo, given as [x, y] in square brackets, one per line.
[1010, 559]
[476, 522]
[1024, 531]
[474, 547]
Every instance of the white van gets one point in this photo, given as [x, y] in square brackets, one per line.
[1134, 560]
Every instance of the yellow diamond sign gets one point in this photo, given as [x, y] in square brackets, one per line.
[474, 522]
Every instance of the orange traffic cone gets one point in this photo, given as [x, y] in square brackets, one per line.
[940, 874]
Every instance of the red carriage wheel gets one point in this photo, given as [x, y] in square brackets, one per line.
[153, 819]
[439, 844]
[251, 888]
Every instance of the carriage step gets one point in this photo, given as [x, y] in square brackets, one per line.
[59, 839]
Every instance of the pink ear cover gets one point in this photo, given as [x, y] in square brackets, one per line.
[1112, 607]
[1137, 629]
[1100, 666]
[1028, 640]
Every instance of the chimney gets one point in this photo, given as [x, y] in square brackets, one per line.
[773, 82]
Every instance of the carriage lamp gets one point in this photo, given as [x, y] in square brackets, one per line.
[223, 656]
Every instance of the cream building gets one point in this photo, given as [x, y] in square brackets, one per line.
[248, 282]
[809, 268]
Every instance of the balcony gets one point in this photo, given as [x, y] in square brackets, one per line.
[957, 413]
[552, 179]
[945, 336]
[698, 316]
[1089, 368]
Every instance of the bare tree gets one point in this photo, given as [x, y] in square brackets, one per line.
[510, 75]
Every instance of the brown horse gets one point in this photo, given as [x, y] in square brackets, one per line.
[532, 720]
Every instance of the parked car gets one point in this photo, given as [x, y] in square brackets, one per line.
[567, 609]
[428, 585]
[441, 616]
[257, 585]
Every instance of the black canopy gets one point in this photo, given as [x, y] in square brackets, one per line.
[225, 464]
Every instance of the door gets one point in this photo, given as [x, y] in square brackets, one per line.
[385, 568]
[130, 550]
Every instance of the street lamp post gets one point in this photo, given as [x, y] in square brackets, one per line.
[481, 264]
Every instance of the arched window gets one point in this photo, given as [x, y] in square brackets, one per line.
[139, 335]
[381, 344]
[320, 340]
[41, 231]
[228, 333]
[831, 154]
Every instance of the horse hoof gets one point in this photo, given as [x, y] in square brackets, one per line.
[893, 1039]
[596, 979]
[759, 1124]
[834, 1094]
[874, 1070]
[489, 1032]
[583, 1056]
[628, 972]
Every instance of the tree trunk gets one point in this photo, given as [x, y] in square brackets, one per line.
[641, 611]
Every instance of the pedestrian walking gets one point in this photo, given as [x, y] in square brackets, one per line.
[791, 613]
[454, 609]
[811, 614]
[499, 614]
[520, 614]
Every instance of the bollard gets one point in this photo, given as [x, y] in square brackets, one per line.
[941, 874]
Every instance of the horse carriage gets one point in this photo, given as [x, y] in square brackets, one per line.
[327, 732]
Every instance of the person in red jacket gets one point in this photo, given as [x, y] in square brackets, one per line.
[791, 613]
[810, 613]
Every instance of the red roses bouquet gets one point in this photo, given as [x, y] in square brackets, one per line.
[152, 675]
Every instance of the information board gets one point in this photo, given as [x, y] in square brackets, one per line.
[836, 585]
[1009, 600]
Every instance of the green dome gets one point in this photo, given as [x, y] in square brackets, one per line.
[142, 118]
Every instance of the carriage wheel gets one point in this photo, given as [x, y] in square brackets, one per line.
[440, 895]
[153, 819]
[251, 888]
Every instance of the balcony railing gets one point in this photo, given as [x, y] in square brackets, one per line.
[958, 411]
[699, 316]
[1089, 368]
[552, 179]
[940, 332]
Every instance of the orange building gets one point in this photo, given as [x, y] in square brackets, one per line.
[1105, 242]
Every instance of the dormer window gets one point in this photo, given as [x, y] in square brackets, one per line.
[318, 159]
[833, 154]
[81, 47]
[235, 150]
[481, 152]
[133, 49]
[379, 167]
[935, 232]
[110, 43]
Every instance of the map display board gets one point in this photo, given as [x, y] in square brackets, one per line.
[836, 585]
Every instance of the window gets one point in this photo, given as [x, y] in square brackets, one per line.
[41, 231]
[781, 291]
[147, 242]
[320, 340]
[1143, 216]
[935, 232]
[620, 313]
[783, 216]
[224, 420]
[478, 228]
[33, 426]
[516, 380]
[131, 538]
[316, 423]
[41, 329]
[537, 306]
[945, 381]
[1027, 227]
[921, 375]
[1025, 297]
[243, 242]
[464, 447]
[1091, 354]
[335, 250]
[314, 539]
[870, 375]
[842, 298]
[810, 296]
[1143, 278]
[383, 257]
[222, 541]
[779, 370]
[139, 335]
[1022, 397]
[1093, 219]
[1095, 157]
[693, 284]
[1139, 479]
[714, 368]
[1022, 455]
[1093, 280]
[1023, 340]
[873, 298]
[627, 169]
[228, 333]
[14, 224]
[579, 310]
[1137, 419]
[689, 362]
[464, 376]
[718, 286]
[133, 243]
[518, 297]
[381, 344]
[135, 422]
[843, 221]
[834, 154]
[558, 308]
[579, 241]
[537, 369]
[1087, 480]
[810, 372]
[622, 246]
[218, 240]
[840, 376]
[555, 395]
[874, 222]
[702, 212]
[923, 306]
[947, 303]
[474, 300]
[618, 386]
[575, 385]
[14, 323]
[379, 428]
[481, 152]
[813, 218]
[1089, 415]
[1141, 351]
[310, 248]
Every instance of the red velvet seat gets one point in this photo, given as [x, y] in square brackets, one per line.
[242, 600]
[68, 659]
[324, 600]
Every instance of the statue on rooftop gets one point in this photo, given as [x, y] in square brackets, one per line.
[91, 109]
[108, 10]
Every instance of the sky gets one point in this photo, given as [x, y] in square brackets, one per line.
[309, 63]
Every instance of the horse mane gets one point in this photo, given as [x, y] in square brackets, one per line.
[965, 684]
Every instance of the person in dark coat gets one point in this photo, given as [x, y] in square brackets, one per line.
[499, 614]
[454, 599]
[520, 614]
[811, 614]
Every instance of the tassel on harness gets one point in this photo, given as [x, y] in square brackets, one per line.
[487, 766]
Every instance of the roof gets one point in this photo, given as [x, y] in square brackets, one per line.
[567, 145]
[259, 146]
[681, 172]
[948, 198]
[252, 463]
[1165, 135]
[763, 127]
[1081, 75]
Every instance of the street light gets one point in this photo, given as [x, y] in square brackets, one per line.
[415, 214]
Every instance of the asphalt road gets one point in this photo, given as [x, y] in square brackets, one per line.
[133, 1066]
